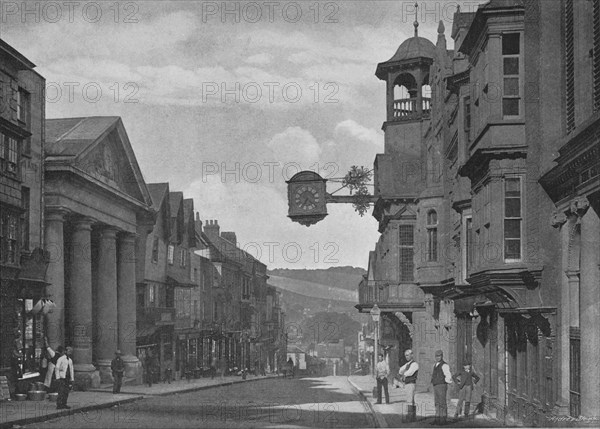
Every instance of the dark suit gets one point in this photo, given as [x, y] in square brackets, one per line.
[117, 367]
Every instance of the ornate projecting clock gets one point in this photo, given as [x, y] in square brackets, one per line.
[306, 198]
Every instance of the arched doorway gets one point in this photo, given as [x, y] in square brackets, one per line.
[396, 329]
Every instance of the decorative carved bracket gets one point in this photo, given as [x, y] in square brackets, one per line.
[558, 219]
[402, 317]
[579, 207]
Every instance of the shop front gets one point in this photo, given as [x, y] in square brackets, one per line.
[23, 306]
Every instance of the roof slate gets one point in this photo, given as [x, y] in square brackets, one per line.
[71, 136]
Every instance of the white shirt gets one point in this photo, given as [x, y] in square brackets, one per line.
[406, 371]
[63, 365]
[446, 371]
[383, 370]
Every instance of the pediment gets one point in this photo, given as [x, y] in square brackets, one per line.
[111, 160]
[403, 211]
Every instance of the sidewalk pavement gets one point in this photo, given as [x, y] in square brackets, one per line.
[89, 403]
[395, 413]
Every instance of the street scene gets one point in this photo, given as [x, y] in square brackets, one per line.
[299, 214]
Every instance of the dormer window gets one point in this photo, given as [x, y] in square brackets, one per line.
[511, 65]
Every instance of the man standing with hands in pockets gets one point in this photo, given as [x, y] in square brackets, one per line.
[408, 375]
[440, 378]
[65, 375]
[382, 371]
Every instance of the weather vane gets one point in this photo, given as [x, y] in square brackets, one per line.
[416, 23]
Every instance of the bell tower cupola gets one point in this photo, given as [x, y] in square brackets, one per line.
[407, 78]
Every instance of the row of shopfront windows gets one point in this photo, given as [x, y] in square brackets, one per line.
[188, 354]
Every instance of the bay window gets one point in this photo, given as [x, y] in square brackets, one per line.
[432, 236]
[513, 220]
[406, 253]
[511, 64]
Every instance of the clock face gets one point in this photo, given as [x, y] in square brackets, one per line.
[306, 198]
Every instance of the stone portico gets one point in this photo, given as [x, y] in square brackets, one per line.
[95, 201]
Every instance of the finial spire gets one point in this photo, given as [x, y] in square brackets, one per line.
[416, 23]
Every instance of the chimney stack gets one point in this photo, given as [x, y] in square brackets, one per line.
[229, 236]
[198, 223]
[212, 229]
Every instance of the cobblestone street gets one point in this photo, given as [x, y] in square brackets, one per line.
[308, 402]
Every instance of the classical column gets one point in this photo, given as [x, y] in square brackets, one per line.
[589, 314]
[390, 96]
[106, 313]
[559, 221]
[80, 294]
[55, 275]
[126, 305]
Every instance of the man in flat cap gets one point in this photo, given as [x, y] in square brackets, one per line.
[440, 378]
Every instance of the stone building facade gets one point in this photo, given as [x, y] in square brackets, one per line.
[95, 203]
[23, 263]
[571, 179]
[245, 307]
[406, 270]
[493, 182]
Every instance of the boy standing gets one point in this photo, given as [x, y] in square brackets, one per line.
[466, 379]
[382, 371]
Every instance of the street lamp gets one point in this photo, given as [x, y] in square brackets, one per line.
[375, 314]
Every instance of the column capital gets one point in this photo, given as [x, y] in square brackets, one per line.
[56, 213]
[108, 232]
[127, 237]
[578, 207]
[83, 223]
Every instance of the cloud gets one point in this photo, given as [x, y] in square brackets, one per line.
[260, 59]
[350, 128]
[295, 145]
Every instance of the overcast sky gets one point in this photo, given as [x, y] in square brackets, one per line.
[227, 100]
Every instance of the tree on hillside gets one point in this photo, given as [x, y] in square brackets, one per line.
[326, 327]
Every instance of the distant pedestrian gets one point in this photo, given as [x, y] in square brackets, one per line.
[168, 371]
[440, 378]
[149, 363]
[382, 371]
[222, 367]
[290, 367]
[213, 367]
[117, 366]
[65, 376]
[465, 380]
[408, 376]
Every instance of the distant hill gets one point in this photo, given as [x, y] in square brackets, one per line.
[338, 277]
[304, 293]
[315, 290]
